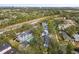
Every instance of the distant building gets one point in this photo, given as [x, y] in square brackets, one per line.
[61, 26]
[76, 37]
[66, 24]
[66, 36]
[25, 37]
[7, 49]
[45, 35]
[45, 27]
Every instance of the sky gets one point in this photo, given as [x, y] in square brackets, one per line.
[40, 3]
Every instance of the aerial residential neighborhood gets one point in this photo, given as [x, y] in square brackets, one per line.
[35, 30]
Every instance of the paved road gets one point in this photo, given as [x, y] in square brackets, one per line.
[15, 26]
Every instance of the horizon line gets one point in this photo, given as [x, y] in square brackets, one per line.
[39, 5]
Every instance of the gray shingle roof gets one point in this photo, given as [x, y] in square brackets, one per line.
[6, 49]
[25, 36]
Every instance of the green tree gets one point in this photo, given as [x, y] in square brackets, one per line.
[69, 48]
